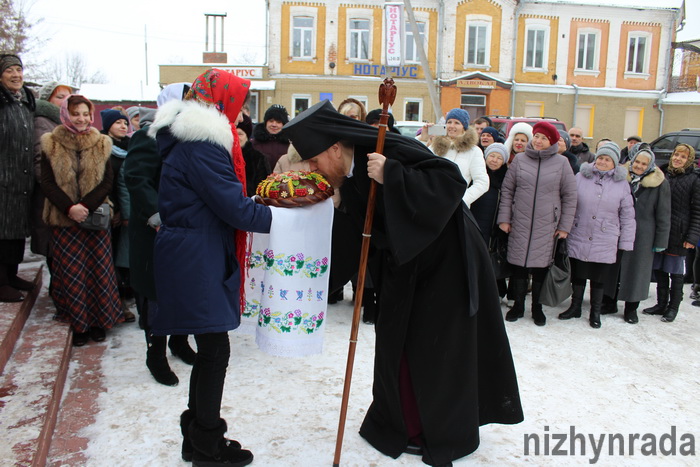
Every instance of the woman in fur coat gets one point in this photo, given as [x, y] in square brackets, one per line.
[460, 145]
[76, 177]
[604, 223]
[200, 248]
[652, 207]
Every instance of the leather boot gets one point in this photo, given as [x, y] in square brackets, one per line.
[16, 281]
[695, 292]
[8, 293]
[596, 305]
[157, 362]
[631, 312]
[537, 314]
[662, 289]
[574, 310]
[518, 289]
[211, 448]
[676, 296]
[187, 450]
[180, 348]
[609, 306]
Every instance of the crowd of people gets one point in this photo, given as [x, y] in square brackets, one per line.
[179, 182]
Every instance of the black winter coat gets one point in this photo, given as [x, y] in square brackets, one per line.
[685, 210]
[485, 209]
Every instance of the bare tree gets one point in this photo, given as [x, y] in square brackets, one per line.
[15, 29]
[71, 69]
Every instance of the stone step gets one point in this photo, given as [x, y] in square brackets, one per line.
[32, 383]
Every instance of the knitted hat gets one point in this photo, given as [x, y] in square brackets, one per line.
[276, 112]
[8, 60]
[246, 125]
[497, 138]
[498, 148]
[548, 130]
[47, 89]
[611, 150]
[567, 138]
[132, 111]
[459, 114]
[109, 117]
[146, 116]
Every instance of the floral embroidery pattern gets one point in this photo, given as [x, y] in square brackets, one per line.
[290, 322]
[289, 265]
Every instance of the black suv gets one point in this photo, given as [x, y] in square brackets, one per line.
[664, 145]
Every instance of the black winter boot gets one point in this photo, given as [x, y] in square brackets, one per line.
[662, 289]
[675, 299]
[574, 310]
[157, 362]
[596, 305]
[631, 312]
[537, 314]
[518, 289]
[180, 348]
[609, 306]
[212, 449]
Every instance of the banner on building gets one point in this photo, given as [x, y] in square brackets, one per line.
[393, 16]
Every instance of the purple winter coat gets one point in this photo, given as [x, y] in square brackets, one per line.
[604, 220]
[538, 197]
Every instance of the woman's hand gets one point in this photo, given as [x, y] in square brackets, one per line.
[688, 245]
[78, 213]
[560, 234]
[375, 167]
[504, 226]
[424, 135]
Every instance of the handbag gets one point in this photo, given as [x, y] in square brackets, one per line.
[556, 286]
[99, 219]
[498, 250]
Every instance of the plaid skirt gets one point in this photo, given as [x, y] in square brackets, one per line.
[83, 282]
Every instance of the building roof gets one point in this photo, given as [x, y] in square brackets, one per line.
[682, 98]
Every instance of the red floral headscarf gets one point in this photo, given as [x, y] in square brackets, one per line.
[227, 93]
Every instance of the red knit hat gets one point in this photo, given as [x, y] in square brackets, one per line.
[547, 129]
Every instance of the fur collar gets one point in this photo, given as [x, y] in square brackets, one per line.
[192, 121]
[588, 170]
[442, 144]
[650, 180]
[47, 110]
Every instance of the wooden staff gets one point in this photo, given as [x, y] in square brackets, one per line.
[387, 94]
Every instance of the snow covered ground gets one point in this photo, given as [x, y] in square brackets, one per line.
[622, 378]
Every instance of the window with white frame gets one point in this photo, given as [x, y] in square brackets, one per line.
[302, 37]
[638, 49]
[413, 109]
[536, 45]
[587, 49]
[478, 43]
[300, 102]
[358, 30]
[362, 99]
[411, 53]
[253, 106]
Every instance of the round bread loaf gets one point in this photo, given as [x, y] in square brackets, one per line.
[294, 188]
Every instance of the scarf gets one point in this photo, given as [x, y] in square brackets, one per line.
[227, 93]
[691, 157]
[65, 117]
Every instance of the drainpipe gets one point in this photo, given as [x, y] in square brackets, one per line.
[516, 15]
[662, 94]
[440, 45]
[573, 120]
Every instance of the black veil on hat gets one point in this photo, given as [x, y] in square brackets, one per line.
[320, 126]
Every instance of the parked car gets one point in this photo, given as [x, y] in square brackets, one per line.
[664, 145]
[408, 128]
[503, 123]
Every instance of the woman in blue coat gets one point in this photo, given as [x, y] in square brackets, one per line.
[200, 247]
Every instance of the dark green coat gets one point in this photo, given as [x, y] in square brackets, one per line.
[141, 175]
[16, 163]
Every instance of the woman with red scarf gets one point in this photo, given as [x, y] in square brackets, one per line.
[200, 248]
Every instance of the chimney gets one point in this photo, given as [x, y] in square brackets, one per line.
[214, 40]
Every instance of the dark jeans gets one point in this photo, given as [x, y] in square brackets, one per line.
[207, 378]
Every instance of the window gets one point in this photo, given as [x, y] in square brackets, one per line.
[411, 54]
[413, 109]
[534, 109]
[473, 100]
[634, 117]
[302, 37]
[300, 102]
[638, 49]
[363, 100]
[478, 33]
[359, 39]
[586, 58]
[536, 53]
[253, 106]
[584, 119]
